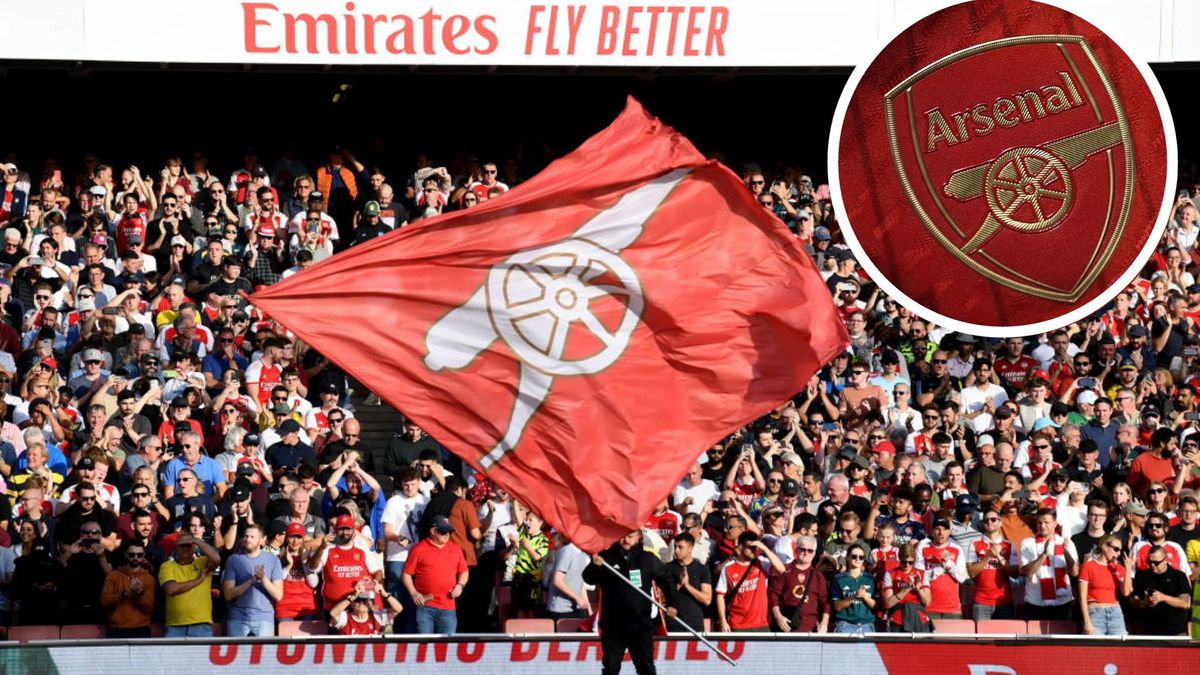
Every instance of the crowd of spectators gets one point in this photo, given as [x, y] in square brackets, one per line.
[172, 457]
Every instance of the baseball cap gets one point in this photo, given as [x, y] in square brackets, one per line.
[295, 528]
[884, 446]
[266, 230]
[329, 388]
[85, 305]
[347, 520]
[289, 426]
[1138, 331]
[1194, 288]
[258, 171]
[791, 458]
[278, 527]
[1043, 422]
[1086, 397]
[134, 238]
[1057, 473]
[859, 460]
[97, 191]
[49, 361]
[966, 502]
[941, 522]
[178, 240]
[179, 401]
[245, 469]
[1128, 364]
[85, 463]
[1136, 509]
[239, 493]
[92, 355]
[790, 488]
[316, 196]
[821, 233]
[251, 439]
[1059, 408]
[1003, 412]
[442, 524]
[847, 452]
[371, 208]
[1150, 411]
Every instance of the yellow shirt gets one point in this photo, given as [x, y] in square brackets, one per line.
[192, 606]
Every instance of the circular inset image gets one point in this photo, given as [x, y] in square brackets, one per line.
[1003, 167]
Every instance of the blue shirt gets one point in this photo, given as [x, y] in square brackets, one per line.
[56, 460]
[1105, 437]
[207, 470]
[217, 366]
[255, 604]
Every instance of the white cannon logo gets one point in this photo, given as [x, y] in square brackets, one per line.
[534, 301]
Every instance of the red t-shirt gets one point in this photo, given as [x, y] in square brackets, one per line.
[1102, 581]
[943, 586]
[298, 597]
[748, 609]
[435, 571]
[353, 626]
[1147, 469]
[344, 567]
[666, 525]
[992, 586]
[1014, 372]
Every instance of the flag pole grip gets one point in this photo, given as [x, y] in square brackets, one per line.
[725, 657]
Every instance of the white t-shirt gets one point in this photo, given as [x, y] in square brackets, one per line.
[500, 517]
[700, 494]
[404, 515]
[973, 399]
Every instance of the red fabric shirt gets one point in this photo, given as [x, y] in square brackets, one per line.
[1147, 469]
[992, 586]
[344, 567]
[666, 525]
[1014, 372]
[1102, 581]
[747, 609]
[435, 571]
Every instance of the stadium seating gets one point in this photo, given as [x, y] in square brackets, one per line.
[1052, 628]
[519, 626]
[1001, 627]
[31, 633]
[568, 625]
[953, 626]
[286, 628]
[84, 631]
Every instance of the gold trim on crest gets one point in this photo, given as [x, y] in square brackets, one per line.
[1037, 176]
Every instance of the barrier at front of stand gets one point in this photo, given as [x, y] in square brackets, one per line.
[892, 655]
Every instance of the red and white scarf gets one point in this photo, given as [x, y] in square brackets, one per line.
[1052, 575]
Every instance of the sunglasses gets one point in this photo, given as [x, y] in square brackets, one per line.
[856, 556]
[141, 494]
[938, 362]
[1157, 491]
[89, 498]
[1156, 563]
[134, 556]
[806, 550]
[338, 420]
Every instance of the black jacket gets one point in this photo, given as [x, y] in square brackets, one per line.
[622, 608]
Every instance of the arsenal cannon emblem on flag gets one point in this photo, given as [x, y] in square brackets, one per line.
[583, 338]
[1017, 165]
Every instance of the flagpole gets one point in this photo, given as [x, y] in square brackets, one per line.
[725, 657]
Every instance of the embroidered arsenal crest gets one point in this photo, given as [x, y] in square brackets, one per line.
[1003, 166]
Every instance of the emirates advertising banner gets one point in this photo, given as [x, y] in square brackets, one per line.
[1101, 657]
[727, 33]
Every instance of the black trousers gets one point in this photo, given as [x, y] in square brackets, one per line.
[640, 645]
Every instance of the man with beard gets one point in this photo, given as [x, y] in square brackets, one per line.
[626, 623]
[343, 564]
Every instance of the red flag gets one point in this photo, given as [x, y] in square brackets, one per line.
[585, 336]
